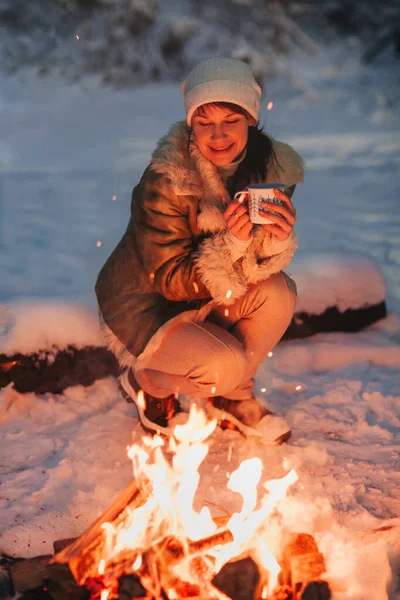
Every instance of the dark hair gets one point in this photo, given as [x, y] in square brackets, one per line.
[253, 168]
[259, 152]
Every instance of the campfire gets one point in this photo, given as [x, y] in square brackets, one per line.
[152, 543]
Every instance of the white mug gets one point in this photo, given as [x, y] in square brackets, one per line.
[256, 193]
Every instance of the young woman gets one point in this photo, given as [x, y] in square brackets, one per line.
[193, 297]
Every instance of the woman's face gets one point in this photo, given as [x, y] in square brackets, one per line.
[220, 133]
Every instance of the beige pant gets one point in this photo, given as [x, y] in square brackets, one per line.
[221, 355]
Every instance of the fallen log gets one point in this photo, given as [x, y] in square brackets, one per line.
[52, 371]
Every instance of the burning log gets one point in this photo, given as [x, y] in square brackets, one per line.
[83, 555]
[147, 533]
[302, 568]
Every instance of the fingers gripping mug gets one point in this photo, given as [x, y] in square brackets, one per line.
[257, 193]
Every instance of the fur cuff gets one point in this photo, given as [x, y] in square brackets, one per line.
[257, 266]
[217, 271]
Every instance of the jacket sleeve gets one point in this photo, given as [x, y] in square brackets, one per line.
[164, 240]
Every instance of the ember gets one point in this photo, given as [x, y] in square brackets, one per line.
[153, 536]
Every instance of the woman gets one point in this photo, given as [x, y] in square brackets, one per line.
[193, 297]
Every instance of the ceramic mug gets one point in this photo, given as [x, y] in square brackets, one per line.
[256, 193]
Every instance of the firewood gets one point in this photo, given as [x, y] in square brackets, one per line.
[84, 554]
[174, 551]
[39, 593]
[28, 574]
[59, 545]
[238, 579]
[316, 590]
[130, 587]
[62, 585]
[301, 560]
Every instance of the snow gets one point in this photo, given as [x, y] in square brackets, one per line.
[27, 327]
[66, 151]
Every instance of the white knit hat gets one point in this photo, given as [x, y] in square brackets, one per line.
[219, 79]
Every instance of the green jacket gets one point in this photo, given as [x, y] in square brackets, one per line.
[174, 260]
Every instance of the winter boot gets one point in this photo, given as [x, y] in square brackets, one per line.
[155, 414]
[250, 418]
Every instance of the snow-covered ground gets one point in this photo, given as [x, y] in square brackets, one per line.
[69, 156]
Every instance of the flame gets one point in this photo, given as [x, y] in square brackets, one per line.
[138, 563]
[169, 513]
[141, 400]
[268, 561]
[102, 566]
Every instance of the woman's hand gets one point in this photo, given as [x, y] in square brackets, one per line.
[238, 221]
[284, 221]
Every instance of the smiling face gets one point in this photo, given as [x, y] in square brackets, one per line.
[220, 132]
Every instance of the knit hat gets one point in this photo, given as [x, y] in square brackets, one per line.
[219, 79]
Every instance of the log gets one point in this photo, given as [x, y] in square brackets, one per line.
[83, 555]
[61, 584]
[130, 587]
[40, 593]
[302, 568]
[53, 371]
[239, 579]
[28, 574]
[59, 545]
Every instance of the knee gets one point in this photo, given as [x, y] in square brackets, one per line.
[221, 371]
[278, 293]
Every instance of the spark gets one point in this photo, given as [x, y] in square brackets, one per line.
[263, 389]
[195, 287]
[77, 37]
[114, 198]
[226, 312]
[152, 276]
[270, 105]
[298, 387]
[99, 243]
[229, 293]
[213, 389]
[270, 354]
